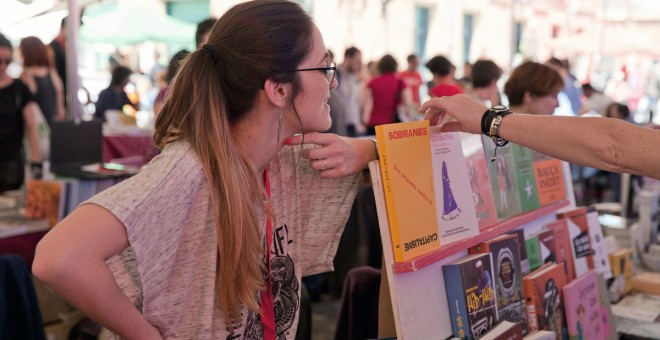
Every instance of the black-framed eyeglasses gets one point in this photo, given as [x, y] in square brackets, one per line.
[329, 71]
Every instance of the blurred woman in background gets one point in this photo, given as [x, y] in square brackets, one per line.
[42, 79]
[17, 111]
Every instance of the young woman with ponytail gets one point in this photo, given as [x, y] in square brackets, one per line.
[211, 239]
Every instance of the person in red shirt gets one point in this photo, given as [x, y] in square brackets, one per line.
[443, 77]
[384, 95]
[412, 78]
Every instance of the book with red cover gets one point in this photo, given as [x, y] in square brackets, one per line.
[578, 232]
[563, 252]
[477, 168]
[544, 300]
[584, 312]
[547, 246]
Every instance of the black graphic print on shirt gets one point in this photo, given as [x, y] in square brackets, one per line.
[285, 290]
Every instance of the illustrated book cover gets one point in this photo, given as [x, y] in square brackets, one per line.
[503, 180]
[544, 300]
[584, 312]
[456, 216]
[407, 171]
[477, 167]
[471, 296]
[505, 253]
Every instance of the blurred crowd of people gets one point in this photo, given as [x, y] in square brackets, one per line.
[369, 93]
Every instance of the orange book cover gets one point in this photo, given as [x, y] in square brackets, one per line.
[407, 170]
[549, 179]
[45, 199]
[544, 299]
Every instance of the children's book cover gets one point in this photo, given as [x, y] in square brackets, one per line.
[502, 172]
[505, 253]
[456, 216]
[407, 171]
[471, 295]
[549, 179]
[583, 308]
[606, 312]
[600, 257]
[45, 199]
[477, 168]
[545, 304]
[525, 176]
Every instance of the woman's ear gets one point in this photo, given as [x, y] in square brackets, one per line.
[527, 98]
[277, 93]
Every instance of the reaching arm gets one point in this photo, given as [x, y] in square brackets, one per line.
[71, 260]
[30, 111]
[603, 143]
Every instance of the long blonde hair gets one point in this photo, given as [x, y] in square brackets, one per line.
[216, 85]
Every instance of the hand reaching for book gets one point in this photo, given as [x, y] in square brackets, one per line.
[337, 156]
[466, 113]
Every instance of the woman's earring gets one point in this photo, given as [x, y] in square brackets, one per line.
[279, 129]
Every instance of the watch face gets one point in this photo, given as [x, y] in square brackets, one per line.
[499, 108]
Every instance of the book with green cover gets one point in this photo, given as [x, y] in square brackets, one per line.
[533, 252]
[527, 190]
[502, 172]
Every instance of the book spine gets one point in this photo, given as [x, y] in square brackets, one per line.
[530, 306]
[456, 301]
[389, 195]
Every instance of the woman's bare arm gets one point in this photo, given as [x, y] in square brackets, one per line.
[71, 260]
[603, 143]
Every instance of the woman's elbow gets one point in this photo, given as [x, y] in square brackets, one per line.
[49, 262]
[610, 156]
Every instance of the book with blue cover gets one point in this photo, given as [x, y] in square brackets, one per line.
[471, 295]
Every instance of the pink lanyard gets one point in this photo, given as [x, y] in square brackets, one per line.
[267, 307]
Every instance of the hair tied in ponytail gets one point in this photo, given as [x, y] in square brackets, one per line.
[211, 52]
